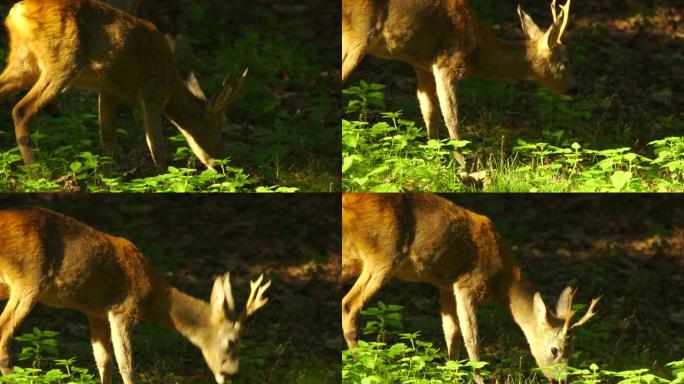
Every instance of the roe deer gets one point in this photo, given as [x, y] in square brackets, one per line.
[53, 259]
[444, 41]
[59, 44]
[425, 238]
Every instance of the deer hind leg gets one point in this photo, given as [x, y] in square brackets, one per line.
[48, 86]
[152, 121]
[428, 101]
[356, 31]
[100, 337]
[353, 51]
[120, 325]
[21, 72]
[20, 303]
[370, 280]
[450, 322]
[108, 109]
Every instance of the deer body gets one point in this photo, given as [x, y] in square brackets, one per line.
[425, 238]
[444, 42]
[50, 258]
[59, 44]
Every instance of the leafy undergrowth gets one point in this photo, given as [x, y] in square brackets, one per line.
[384, 153]
[623, 132]
[400, 357]
[43, 364]
[283, 132]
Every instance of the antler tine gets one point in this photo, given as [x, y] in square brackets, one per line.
[590, 313]
[231, 92]
[256, 298]
[553, 10]
[570, 312]
[566, 17]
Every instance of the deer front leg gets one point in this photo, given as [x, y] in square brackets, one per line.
[120, 325]
[428, 101]
[466, 310]
[450, 322]
[365, 287]
[446, 82]
[17, 308]
[108, 108]
[100, 337]
[152, 121]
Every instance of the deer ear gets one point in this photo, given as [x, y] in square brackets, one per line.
[563, 306]
[540, 310]
[218, 299]
[532, 31]
[228, 291]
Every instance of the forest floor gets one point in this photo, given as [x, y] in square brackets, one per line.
[622, 132]
[628, 249]
[293, 240]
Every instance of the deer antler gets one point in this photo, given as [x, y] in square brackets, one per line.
[230, 94]
[566, 16]
[256, 298]
[590, 313]
[570, 313]
[553, 10]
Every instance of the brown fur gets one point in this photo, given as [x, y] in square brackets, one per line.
[49, 258]
[444, 41]
[425, 238]
[87, 44]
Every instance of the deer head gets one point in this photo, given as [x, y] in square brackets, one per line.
[552, 338]
[220, 345]
[545, 52]
[203, 133]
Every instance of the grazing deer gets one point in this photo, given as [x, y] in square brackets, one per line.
[59, 44]
[425, 238]
[444, 41]
[53, 259]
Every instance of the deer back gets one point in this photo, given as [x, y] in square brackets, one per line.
[423, 238]
[71, 264]
[110, 50]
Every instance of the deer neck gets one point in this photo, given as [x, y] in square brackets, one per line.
[521, 302]
[502, 60]
[181, 312]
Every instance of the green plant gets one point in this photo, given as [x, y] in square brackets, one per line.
[42, 351]
[387, 320]
[42, 346]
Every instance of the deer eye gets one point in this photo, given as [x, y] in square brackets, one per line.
[554, 352]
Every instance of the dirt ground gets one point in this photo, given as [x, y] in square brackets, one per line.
[294, 240]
